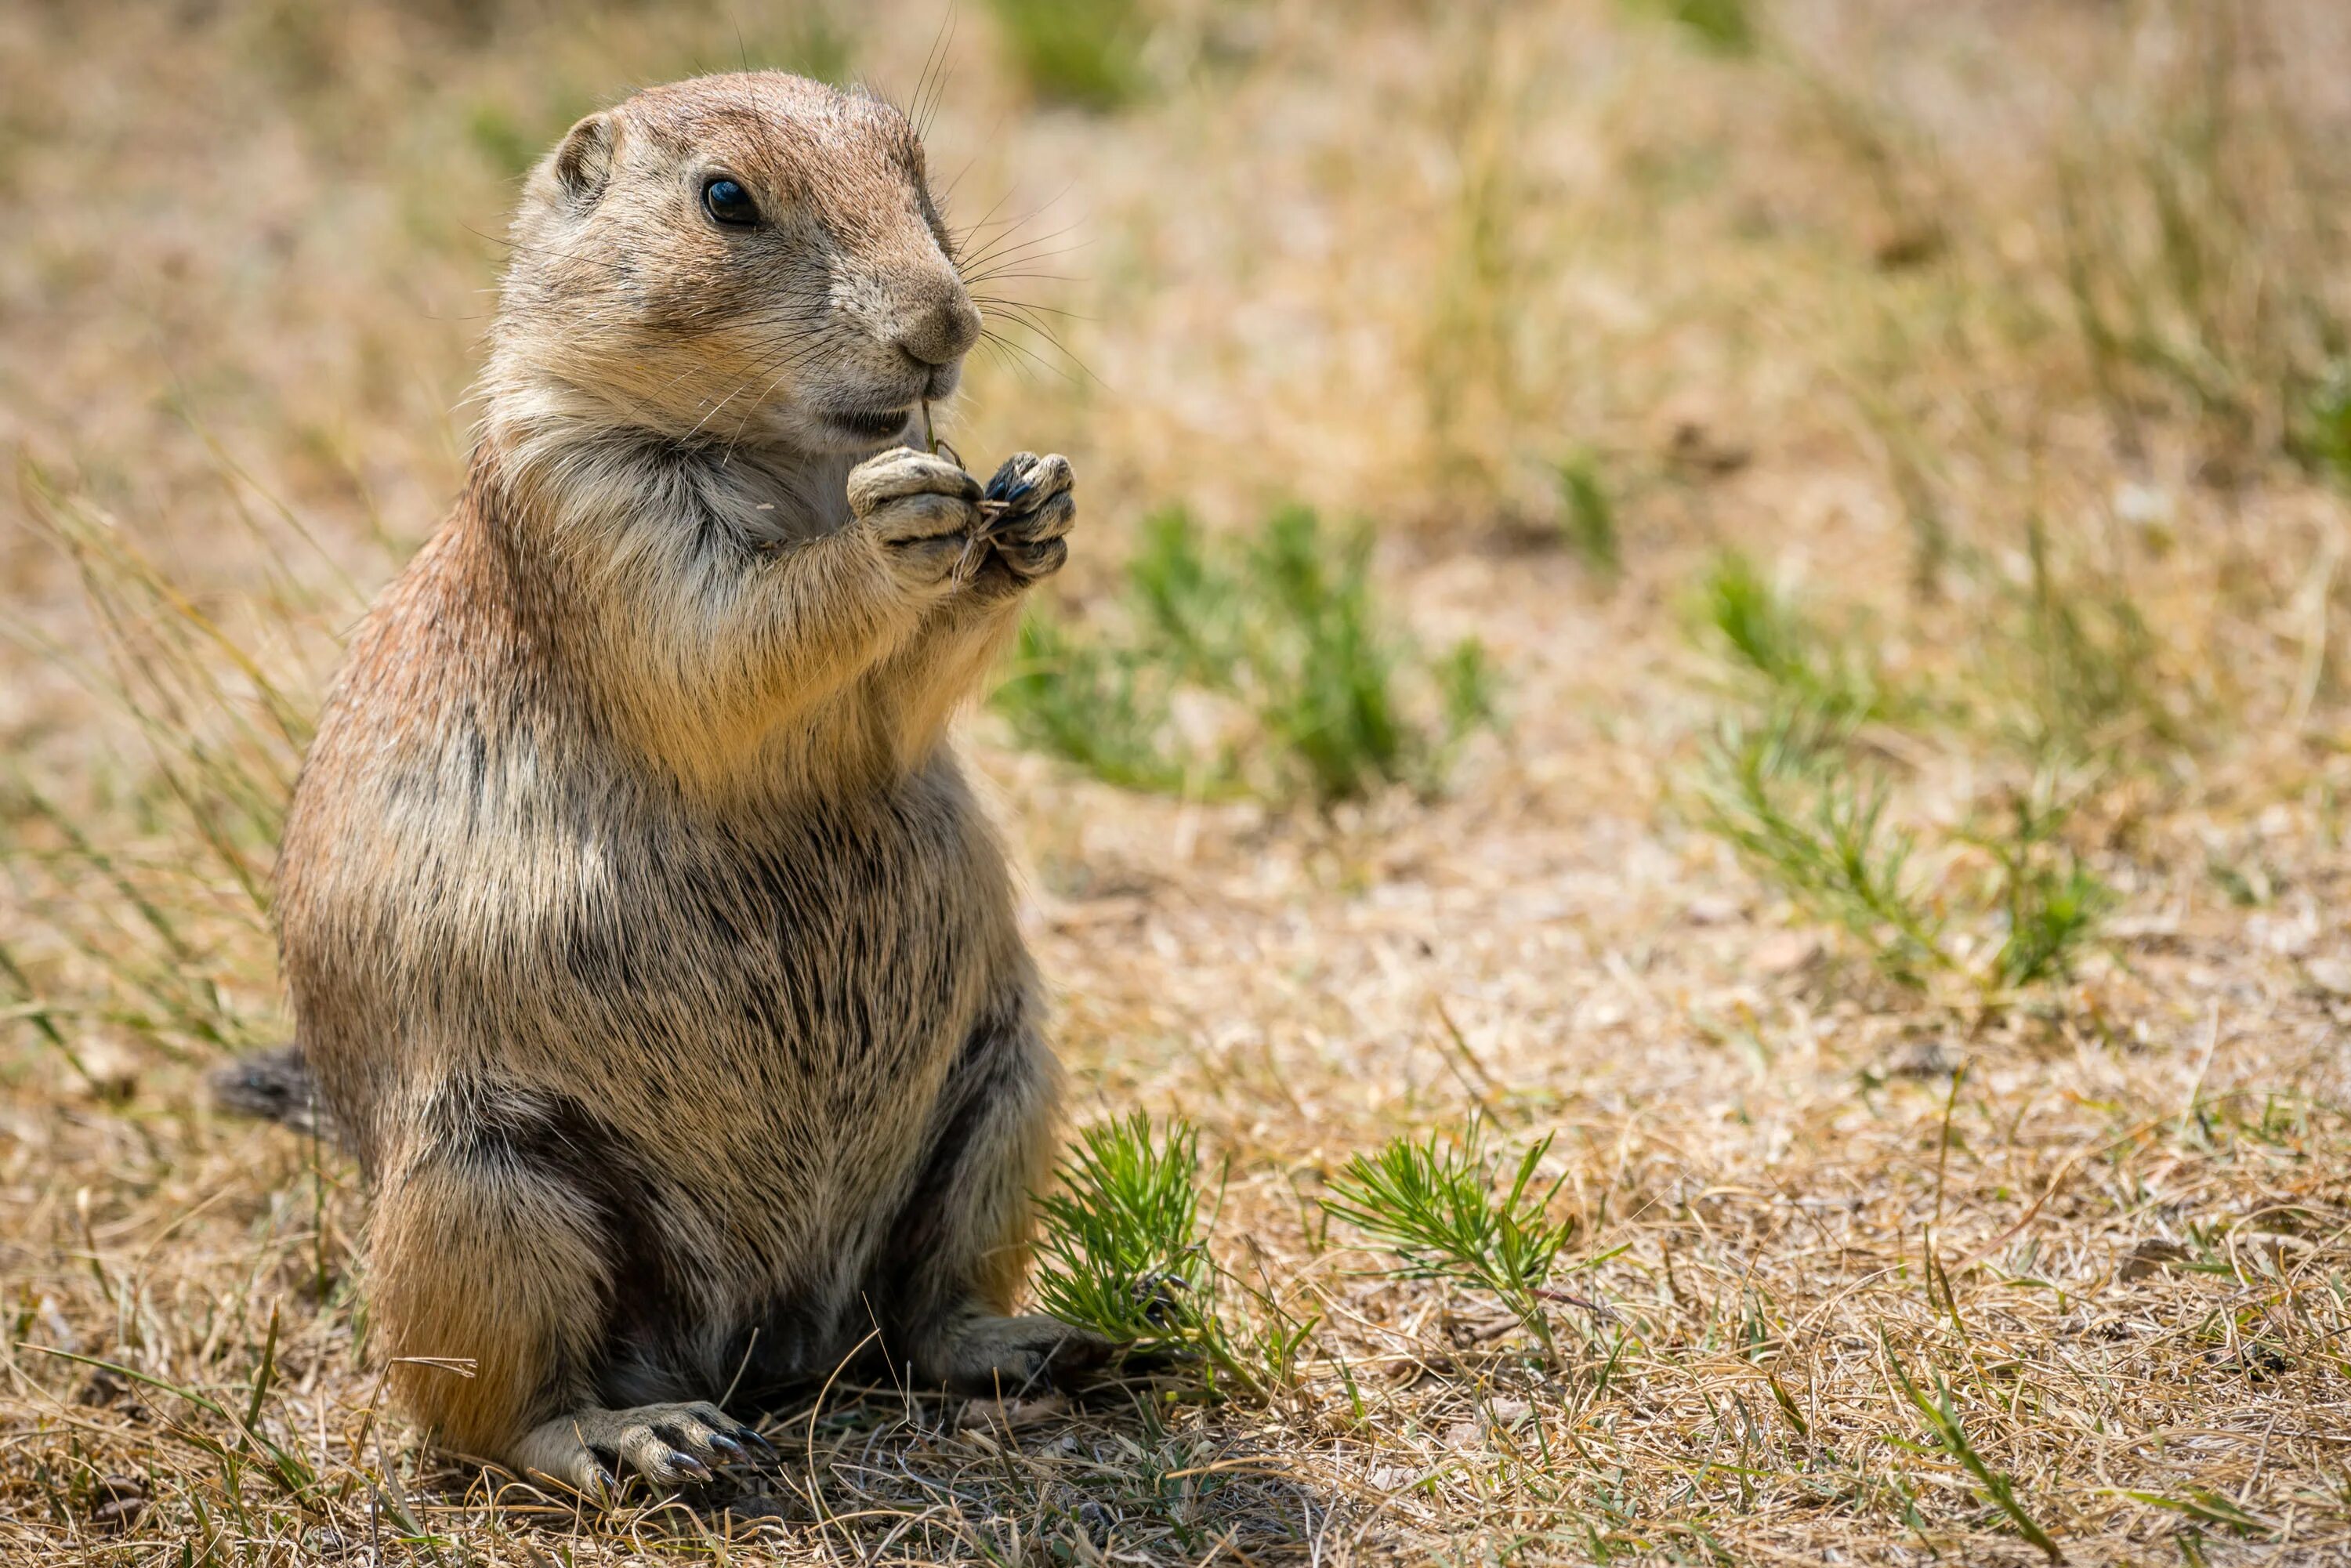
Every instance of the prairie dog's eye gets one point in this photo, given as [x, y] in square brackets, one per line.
[727, 201]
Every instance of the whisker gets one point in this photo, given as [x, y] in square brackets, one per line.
[1002, 304]
[1012, 226]
[1002, 249]
[1028, 353]
[940, 55]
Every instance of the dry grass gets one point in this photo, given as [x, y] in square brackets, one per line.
[1999, 338]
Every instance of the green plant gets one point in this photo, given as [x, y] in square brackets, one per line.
[1943, 1424]
[1724, 26]
[2322, 437]
[1093, 703]
[1766, 633]
[1588, 522]
[1189, 604]
[1470, 690]
[1785, 796]
[2199, 227]
[1286, 636]
[1325, 666]
[2050, 901]
[1085, 52]
[1124, 1252]
[2083, 656]
[1778, 796]
[1434, 1204]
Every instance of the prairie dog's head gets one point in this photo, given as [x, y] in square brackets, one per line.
[747, 258]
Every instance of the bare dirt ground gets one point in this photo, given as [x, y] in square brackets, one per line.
[2006, 341]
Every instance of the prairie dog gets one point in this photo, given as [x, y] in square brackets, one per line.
[644, 938]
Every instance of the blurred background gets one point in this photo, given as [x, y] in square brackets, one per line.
[1720, 556]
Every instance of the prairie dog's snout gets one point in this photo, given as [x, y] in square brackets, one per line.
[767, 256]
[935, 328]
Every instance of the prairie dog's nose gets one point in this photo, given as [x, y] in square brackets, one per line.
[941, 332]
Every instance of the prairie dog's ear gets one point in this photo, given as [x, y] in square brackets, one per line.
[584, 161]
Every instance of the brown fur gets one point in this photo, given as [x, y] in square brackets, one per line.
[642, 934]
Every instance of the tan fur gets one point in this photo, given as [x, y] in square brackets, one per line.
[643, 938]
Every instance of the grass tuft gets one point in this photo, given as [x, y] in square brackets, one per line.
[1081, 52]
[2200, 233]
[1786, 795]
[2323, 435]
[1124, 1252]
[1943, 1424]
[1285, 639]
[1822, 838]
[1588, 515]
[1094, 705]
[1434, 1203]
[2083, 665]
[2050, 903]
[1774, 641]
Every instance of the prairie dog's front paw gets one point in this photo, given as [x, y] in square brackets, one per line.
[922, 511]
[1028, 538]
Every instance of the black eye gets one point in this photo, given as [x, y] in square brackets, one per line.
[729, 203]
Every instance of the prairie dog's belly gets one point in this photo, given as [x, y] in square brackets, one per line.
[789, 998]
[762, 1012]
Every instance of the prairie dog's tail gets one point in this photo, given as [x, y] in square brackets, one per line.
[277, 1086]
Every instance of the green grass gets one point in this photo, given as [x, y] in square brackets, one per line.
[1125, 1252]
[2082, 664]
[1822, 840]
[2322, 436]
[1814, 822]
[1326, 666]
[1950, 1435]
[1774, 641]
[1722, 26]
[1440, 1206]
[1588, 515]
[1097, 705]
[1081, 52]
[1282, 633]
[2050, 904]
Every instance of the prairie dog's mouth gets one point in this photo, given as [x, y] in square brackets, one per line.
[870, 426]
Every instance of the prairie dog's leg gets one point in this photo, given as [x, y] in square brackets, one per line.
[917, 689]
[953, 1268]
[475, 1258]
[483, 1252]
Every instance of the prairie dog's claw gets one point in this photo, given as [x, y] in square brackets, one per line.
[1025, 481]
[668, 1445]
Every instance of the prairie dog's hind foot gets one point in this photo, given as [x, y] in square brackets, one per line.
[592, 1451]
[993, 1355]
